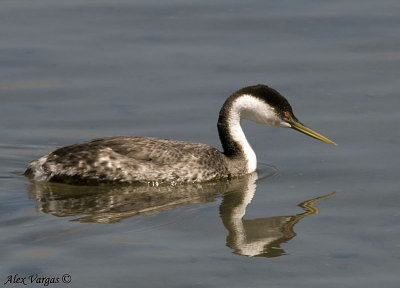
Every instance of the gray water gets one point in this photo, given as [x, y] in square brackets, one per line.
[315, 215]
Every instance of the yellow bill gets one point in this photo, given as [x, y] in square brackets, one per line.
[303, 129]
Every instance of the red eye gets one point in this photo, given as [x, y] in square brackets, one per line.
[287, 114]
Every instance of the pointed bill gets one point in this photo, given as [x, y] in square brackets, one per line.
[303, 129]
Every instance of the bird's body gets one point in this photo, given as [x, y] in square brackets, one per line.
[145, 159]
[133, 159]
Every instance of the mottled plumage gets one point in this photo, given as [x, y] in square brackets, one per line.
[133, 159]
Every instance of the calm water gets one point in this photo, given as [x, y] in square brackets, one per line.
[76, 70]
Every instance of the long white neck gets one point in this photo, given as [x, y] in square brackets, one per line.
[237, 134]
[233, 139]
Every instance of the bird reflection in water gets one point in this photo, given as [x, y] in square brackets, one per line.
[261, 236]
[109, 204]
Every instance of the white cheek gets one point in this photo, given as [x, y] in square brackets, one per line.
[283, 124]
[272, 120]
[258, 111]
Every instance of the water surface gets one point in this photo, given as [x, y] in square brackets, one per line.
[73, 71]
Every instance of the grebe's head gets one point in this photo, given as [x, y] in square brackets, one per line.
[265, 105]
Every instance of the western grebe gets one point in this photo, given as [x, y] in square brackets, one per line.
[153, 160]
